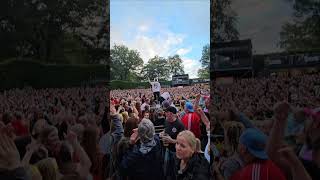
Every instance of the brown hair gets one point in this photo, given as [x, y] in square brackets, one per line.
[89, 144]
[131, 124]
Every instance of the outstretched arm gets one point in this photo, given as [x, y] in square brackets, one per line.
[276, 137]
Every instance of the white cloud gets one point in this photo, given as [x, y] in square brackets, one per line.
[143, 28]
[183, 51]
[191, 67]
[157, 40]
[161, 45]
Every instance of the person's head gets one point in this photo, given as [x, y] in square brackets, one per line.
[78, 129]
[186, 145]
[146, 131]
[84, 120]
[48, 168]
[252, 145]
[146, 115]
[90, 141]
[129, 126]
[189, 107]
[165, 104]
[49, 137]
[38, 127]
[182, 103]
[171, 113]
[125, 116]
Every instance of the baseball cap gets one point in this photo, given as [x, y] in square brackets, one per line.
[189, 106]
[255, 141]
[171, 109]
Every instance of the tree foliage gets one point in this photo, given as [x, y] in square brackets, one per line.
[156, 67]
[124, 62]
[204, 72]
[175, 65]
[223, 21]
[38, 28]
[303, 32]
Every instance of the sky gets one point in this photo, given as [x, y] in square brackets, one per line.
[261, 21]
[163, 28]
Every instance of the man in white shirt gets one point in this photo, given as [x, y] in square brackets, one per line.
[155, 89]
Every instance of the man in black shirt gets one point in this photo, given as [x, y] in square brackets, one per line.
[172, 127]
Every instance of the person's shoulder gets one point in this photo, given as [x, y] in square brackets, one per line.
[201, 167]
[179, 123]
[231, 162]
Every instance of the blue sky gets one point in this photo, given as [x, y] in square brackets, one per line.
[162, 28]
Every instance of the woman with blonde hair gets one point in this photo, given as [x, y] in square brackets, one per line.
[49, 169]
[191, 165]
[33, 172]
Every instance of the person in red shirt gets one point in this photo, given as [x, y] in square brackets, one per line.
[191, 120]
[19, 125]
[257, 165]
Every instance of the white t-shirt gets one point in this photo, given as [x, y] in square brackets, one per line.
[143, 106]
[155, 86]
[166, 96]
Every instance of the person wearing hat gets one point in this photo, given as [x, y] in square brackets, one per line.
[257, 165]
[172, 127]
[191, 120]
[143, 161]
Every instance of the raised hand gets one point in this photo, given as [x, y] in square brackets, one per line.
[71, 137]
[113, 110]
[281, 111]
[134, 136]
[9, 155]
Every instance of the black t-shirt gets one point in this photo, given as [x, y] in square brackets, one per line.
[159, 121]
[173, 129]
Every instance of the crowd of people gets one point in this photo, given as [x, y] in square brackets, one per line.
[257, 128]
[74, 133]
[266, 128]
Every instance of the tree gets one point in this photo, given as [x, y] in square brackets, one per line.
[223, 21]
[124, 62]
[175, 65]
[204, 72]
[303, 33]
[37, 28]
[156, 67]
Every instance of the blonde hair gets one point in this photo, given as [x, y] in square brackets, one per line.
[33, 172]
[190, 137]
[48, 168]
[125, 116]
[198, 145]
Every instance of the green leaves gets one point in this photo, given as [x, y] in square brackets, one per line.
[303, 33]
[205, 63]
[124, 62]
